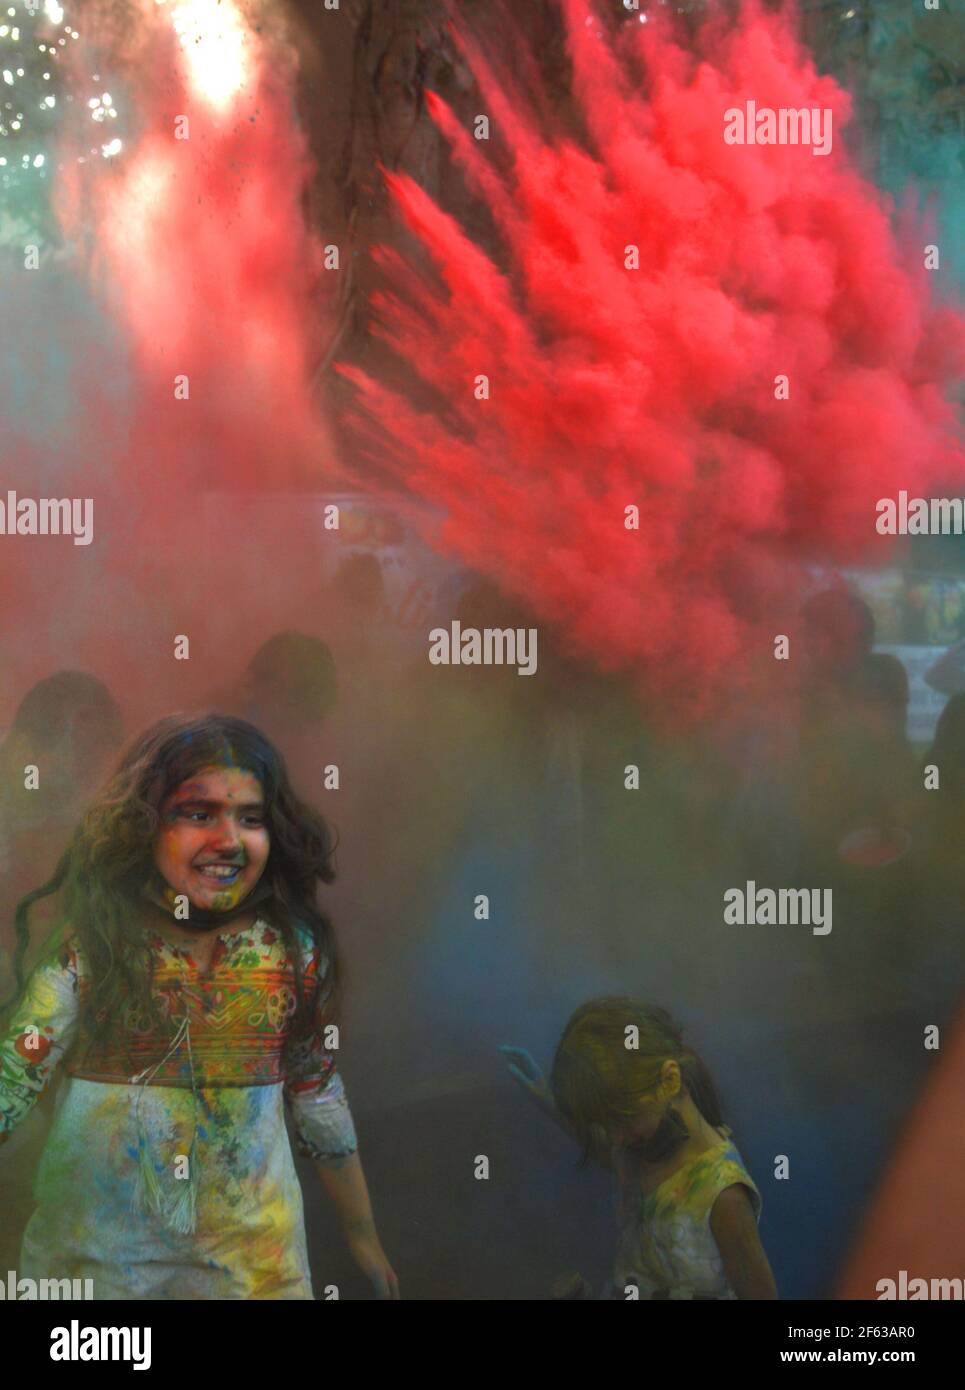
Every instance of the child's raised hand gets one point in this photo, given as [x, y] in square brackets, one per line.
[526, 1072]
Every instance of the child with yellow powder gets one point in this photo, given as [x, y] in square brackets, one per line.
[626, 1087]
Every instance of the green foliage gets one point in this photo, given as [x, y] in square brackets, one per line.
[904, 65]
[31, 99]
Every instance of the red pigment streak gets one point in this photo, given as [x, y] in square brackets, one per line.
[656, 387]
[198, 251]
[201, 249]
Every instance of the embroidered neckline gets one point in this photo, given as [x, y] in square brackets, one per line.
[184, 948]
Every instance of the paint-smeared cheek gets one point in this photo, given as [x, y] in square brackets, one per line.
[173, 846]
[257, 846]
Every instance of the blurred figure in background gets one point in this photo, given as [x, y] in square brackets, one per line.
[946, 802]
[289, 688]
[355, 603]
[855, 767]
[838, 631]
[69, 727]
[880, 689]
[290, 683]
[881, 764]
[940, 862]
[857, 799]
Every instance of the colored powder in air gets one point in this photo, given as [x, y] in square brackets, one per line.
[165, 355]
[652, 284]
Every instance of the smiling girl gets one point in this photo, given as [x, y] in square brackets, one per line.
[190, 993]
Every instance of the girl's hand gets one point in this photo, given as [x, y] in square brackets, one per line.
[366, 1250]
[526, 1072]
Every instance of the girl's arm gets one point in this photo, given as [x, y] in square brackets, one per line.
[734, 1228]
[36, 1033]
[325, 1131]
[344, 1181]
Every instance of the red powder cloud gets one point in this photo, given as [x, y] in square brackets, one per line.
[197, 267]
[656, 386]
[202, 251]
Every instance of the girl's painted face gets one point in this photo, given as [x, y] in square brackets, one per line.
[641, 1127]
[213, 843]
[651, 1111]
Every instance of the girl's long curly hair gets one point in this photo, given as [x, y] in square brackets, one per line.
[105, 869]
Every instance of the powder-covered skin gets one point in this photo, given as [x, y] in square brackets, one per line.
[249, 1238]
[667, 1246]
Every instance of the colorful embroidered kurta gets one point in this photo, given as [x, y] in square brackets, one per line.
[667, 1247]
[211, 1113]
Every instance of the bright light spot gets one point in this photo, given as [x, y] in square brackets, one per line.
[14, 125]
[106, 99]
[50, 101]
[113, 147]
[8, 77]
[53, 11]
[213, 40]
[38, 161]
[94, 101]
[4, 31]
